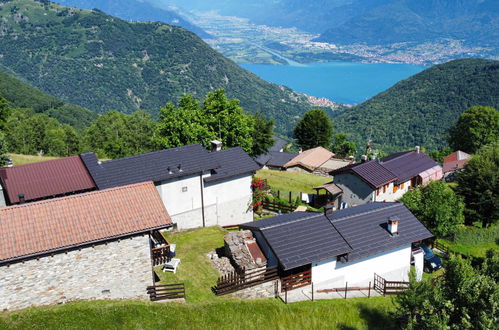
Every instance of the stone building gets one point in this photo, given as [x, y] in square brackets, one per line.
[95, 245]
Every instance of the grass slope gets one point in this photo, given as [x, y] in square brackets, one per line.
[289, 181]
[26, 159]
[101, 62]
[22, 95]
[360, 313]
[419, 110]
[474, 241]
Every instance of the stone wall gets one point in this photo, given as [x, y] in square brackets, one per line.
[264, 290]
[118, 270]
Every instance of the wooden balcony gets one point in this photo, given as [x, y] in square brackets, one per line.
[161, 255]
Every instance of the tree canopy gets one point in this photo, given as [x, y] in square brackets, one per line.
[476, 127]
[461, 298]
[478, 183]
[217, 118]
[314, 129]
[342, 146]
[436, 206]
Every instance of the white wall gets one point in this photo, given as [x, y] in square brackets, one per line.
[389, 195]
[393, 265]
[226, 201]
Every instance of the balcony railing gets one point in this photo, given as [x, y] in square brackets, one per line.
[161, 255]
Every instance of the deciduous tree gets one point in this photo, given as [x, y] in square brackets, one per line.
[262, 134]
[436, 206]
[476, 127]
[478, 183]
[342, 146]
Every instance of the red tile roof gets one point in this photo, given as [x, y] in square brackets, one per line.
[46, 179]
[54, 224]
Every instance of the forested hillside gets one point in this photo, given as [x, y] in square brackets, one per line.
[100, 62]
[136, 10]
[22, 95]
[420, 109]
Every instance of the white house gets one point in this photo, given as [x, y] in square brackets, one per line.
[199, 188]
[383, 180]
[349, 245]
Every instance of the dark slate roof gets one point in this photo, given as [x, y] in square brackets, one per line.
[154, 166]
[278, 145]
[366, 230]
[301, 238]
[275, 158]
[46, 179]
[399, 167]
[233, 162]
[406, 165]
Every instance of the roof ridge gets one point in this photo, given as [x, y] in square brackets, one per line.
[150, 153]
[293, 221]
[53, 200]
[395, 204]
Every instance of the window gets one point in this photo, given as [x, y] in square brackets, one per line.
[378, 191]
[395, 188]
[384, 189]
[184, 189]
[402, 186]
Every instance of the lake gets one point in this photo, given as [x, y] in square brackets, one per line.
[342, 82]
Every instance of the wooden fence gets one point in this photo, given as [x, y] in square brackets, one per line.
[296, 281]
[277, 207]
[238, 280]
[166, 291]
[160, 255]
[385, 287]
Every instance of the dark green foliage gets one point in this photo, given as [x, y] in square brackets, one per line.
[314, 130]
[33, 133]
[478, 183]
[436, 206]
[218, 118]
[342, 146]
[420, 109]
[22, 95]
[439, 155]
[461, 298]
[475, 128]
[115, 135]
[262, 135]
[5, 112]
[3, 150]
[100, 62]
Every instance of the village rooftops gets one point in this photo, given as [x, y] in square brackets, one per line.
[275, 158]
[46, 179]
[301, 238]
[456, 161]
[52, 226]
[398, 167]
[168, 164]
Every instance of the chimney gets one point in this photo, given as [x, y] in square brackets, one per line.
[393, 225]
[22, 200]
[180, 168]
[169, 170]
[328, 209]
[216, 145]
[363, 158]
[418, 149]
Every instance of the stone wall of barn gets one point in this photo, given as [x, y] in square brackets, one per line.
[118, 270]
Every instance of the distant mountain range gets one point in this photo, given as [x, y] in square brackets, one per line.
[136, 10]
[22, 95]
[373, 22]
[101, 62]
[419, 110]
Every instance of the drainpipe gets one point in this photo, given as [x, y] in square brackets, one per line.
[202, 197]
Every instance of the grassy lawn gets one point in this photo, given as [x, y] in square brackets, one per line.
[358, 313]
[203, 309]
[474, 241]
[25, 159]
[289, 181]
